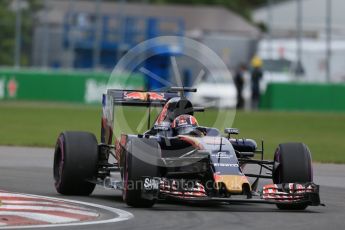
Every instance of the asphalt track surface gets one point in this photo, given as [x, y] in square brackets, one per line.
[29, 170]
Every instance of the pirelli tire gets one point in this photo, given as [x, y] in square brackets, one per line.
[294, 166]
[136, 167]
[75, 162]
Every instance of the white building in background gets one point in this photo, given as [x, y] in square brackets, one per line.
[280, 53]
[314, 18]
[280, 60]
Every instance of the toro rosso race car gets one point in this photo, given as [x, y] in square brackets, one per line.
[179, 159]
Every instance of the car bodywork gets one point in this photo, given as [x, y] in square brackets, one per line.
[206, 168]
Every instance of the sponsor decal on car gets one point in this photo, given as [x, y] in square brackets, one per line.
[151, 184]
[225, 165]
[156, 96]
[143, 96]
[135, 96]
[224, 155]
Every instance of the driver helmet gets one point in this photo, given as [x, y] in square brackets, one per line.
[184, 124]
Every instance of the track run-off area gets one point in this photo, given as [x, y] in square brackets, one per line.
[26, 183]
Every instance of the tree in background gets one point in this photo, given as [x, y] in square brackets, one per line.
[7, 30]
[6, 33]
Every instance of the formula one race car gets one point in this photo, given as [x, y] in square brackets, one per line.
[176, 158]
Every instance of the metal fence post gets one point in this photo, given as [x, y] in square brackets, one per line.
[18, 35]
[328, 39]
[299, 35]
[98, 36]
[269, 27]
[45, 43]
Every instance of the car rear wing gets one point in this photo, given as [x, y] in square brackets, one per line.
[149, 99]
[115, 97]
[139, 98]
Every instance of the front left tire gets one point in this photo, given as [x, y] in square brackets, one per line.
[75, 162]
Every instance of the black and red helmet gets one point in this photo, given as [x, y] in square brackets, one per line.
[184, 124]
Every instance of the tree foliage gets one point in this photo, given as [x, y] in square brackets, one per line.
[7, 30]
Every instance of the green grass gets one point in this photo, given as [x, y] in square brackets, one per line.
[38, 124]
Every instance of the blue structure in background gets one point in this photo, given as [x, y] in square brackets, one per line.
[117, 35]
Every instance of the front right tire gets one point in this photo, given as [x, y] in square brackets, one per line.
[293, 165]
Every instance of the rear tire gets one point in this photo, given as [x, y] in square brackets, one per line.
[295, 166]
[135, 168]
[75, 161]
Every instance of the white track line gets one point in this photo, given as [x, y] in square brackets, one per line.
[121, 215]
[45, 208]
[2, 224]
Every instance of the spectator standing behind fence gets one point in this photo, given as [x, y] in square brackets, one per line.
[256, 76]
[239, 83]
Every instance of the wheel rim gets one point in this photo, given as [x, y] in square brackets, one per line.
[277, 173]
[58, 161]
